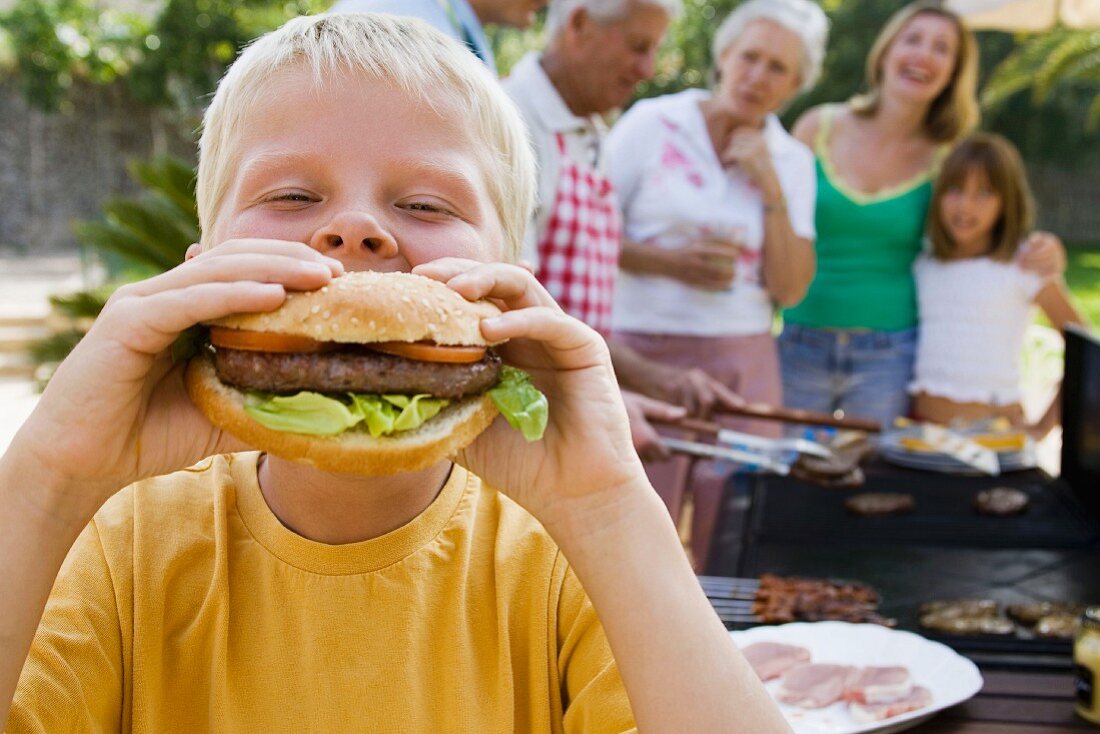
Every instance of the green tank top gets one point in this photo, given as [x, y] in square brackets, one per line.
[865, 247]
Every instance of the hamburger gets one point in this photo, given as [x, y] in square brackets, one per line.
[376, 373]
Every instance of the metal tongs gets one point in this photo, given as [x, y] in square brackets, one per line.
[772, 454]
[761, 459]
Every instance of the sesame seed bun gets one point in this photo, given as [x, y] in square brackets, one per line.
[358, 308]
[368, 306]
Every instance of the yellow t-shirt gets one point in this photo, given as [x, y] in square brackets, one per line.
[186, 606]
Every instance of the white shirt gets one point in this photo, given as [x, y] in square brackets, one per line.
[673, 189]
[973, 315]
[546, 115]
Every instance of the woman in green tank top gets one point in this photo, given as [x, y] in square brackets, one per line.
[850, 344]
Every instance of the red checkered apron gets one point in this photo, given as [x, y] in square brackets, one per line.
[579, 254]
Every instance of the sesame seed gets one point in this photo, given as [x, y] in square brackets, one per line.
[371, 326]
[355, 320]
[315, 309]
[326, 314]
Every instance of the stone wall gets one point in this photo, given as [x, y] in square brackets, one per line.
[55, 168]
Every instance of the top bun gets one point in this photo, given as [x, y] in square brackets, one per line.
[368, 306]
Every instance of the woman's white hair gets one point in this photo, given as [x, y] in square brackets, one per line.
[422, 62]
[804, 18]
[605, 11]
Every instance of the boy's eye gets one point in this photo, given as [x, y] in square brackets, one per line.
[428, 206]
[290, 197]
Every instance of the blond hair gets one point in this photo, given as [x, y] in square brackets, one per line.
[998, 160]
[954, 112]
[420, 61]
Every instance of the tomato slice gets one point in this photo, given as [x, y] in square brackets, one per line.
[426, 352]
[265, 341]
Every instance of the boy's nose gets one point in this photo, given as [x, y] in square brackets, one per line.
[352, 235]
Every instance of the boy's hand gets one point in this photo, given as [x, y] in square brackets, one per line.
[116, 410]
[586, 457]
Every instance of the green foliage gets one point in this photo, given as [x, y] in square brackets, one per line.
[53, 43]
[1062, 61]
[150, 232]
[82, 305]
[172, 61]
[193, 41]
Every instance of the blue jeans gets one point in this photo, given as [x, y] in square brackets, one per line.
[862, 372]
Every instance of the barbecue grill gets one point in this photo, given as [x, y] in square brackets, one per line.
[943, 549]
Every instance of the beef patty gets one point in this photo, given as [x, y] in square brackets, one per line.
[880, 503]
[356, 369]
[1001, 502]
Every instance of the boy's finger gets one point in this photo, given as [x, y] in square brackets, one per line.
[571, 344]
[286, 248]
[512, 285]
[445, 268]
[292, 272]
[149, 325]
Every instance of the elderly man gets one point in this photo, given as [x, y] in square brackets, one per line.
[597, 52]
[461, 19]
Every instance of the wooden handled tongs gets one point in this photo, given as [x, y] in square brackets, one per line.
[795, 415]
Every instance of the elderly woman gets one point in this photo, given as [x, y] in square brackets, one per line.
[850, 345]
[717, 202]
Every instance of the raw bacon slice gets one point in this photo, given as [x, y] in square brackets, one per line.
[866, 713]
[814, 685]
[773, 659]
[879, 685]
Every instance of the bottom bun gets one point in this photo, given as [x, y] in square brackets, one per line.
[351, 452]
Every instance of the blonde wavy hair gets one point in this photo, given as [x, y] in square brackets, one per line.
[411, 55]
[953, 113]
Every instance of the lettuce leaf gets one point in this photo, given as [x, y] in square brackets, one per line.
[305, 412]
[521, 403]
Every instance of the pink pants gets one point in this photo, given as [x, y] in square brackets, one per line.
[748, 365]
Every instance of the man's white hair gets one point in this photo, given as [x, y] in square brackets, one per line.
[605, 11]
[804, 18]
[422, 62]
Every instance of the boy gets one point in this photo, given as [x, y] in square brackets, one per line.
[252, 594]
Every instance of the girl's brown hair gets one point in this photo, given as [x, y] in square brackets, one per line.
[998, 160]
[954, 112]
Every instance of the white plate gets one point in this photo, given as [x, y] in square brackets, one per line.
[950, 677]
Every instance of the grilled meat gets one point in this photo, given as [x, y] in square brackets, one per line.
[355, 369]
[880, 503]
[1001, 502]
[965, 617]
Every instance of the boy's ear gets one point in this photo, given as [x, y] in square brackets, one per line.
[192, 250]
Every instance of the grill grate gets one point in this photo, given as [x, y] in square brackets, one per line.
[787, 510]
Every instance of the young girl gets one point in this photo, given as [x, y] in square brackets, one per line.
[975, 300]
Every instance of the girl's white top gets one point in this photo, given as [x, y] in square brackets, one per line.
[973, 315]
[672, 189]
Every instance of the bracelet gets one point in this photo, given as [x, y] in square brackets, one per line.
[776, 206]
